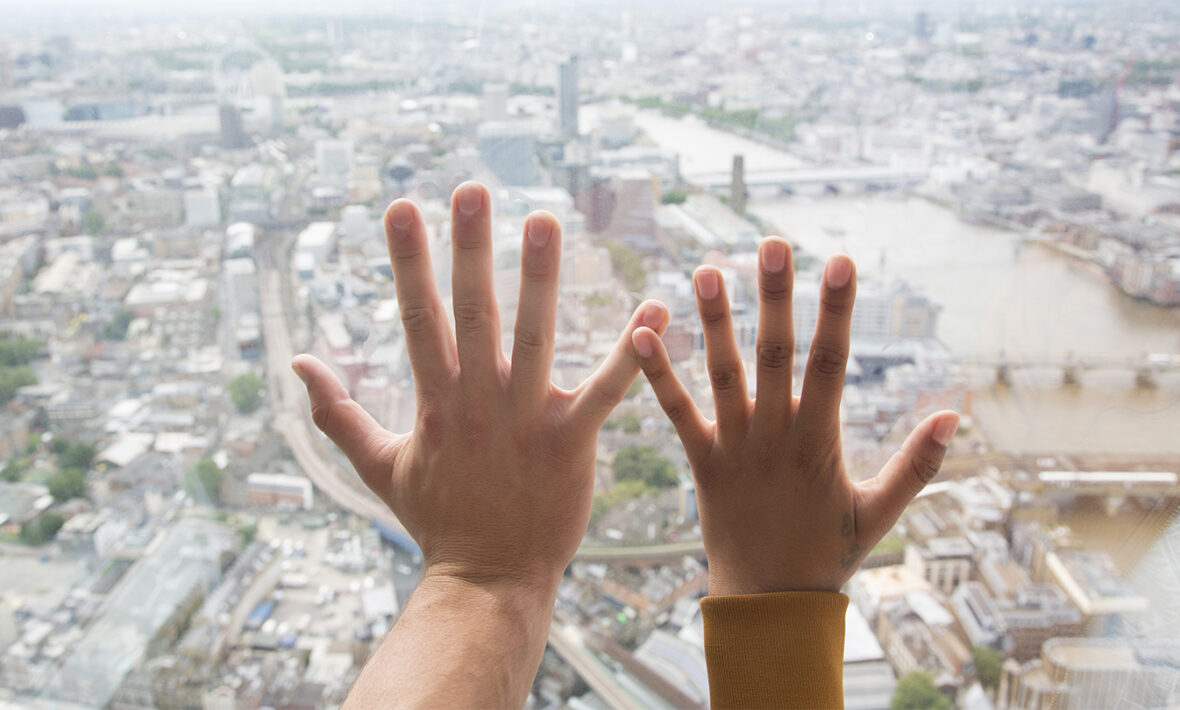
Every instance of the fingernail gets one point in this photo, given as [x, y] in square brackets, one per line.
[839, 271]
[298, 371]
[945, 429]
[642, 346]
[401, 213]
[774, 257]
[539, 231]
[653, 316]
[468, 199]
[707, 284]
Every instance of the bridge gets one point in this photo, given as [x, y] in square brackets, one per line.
[1147, 369]
[1113, 487]
[838, 179]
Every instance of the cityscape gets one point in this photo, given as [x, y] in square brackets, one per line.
[189, 200]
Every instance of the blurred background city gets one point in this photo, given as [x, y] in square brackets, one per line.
[189, 197]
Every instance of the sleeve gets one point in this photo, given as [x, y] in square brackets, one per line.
[782, 650]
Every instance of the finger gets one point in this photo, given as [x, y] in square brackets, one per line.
[428, 337]
[367, 444]
[906, 473]
[775, 344]
[823, 382]
[674, 399]
[603, 390]
[536, 313]
[477, 317]
[726, 373]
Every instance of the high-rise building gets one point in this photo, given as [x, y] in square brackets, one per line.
[922, 25]
[567, 98]
[233, 135]
[495, 102]
[202, 208]
[333, 158]
[737, 185]
[508, 150]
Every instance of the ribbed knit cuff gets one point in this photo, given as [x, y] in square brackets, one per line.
[782, 650]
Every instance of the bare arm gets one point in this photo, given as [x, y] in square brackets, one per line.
[778, 510]
[495, 480]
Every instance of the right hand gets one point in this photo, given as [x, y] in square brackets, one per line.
[495, 480]
[778, 510]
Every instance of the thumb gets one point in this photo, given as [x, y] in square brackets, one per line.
[365, 442]
[906, 473]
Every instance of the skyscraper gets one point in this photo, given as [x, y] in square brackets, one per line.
[737, 185]
[232, 133]
[567, 98]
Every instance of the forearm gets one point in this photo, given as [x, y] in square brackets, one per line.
[459, 645]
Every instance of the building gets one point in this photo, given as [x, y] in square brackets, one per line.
[333, 158]
[918, 633]
[508, 149]
[945, 562]
[270, 489]
[883, 313]
[1080, 673]
[202, 208]
[233, 134]
[567, 98]
[494, 104]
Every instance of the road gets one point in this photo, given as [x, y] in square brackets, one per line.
[289, 401]
[566, 642]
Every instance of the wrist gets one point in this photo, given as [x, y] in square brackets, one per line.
[509, 594]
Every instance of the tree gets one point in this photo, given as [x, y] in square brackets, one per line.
[117, 328]
[247, 532]
[203, 482]
[674, 197]
[643, 463]
[628, 266]
[41, 529]
[68, 483]
[17, 350]
[987, 666]
[12, 379]
[245, 391]
[94, 222]
[11, 471]
[77, 455]
[630, 423]
[916, 691]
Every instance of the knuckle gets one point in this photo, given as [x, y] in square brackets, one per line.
[774, 354]
[825, 360]
[724, 377]
[535, 271]
[322, 415]
[838, 307]
[417, 319]
[924, 468]
[774, 293]
[471, 316]
[715, 318]
[528, 343]
[677, 412]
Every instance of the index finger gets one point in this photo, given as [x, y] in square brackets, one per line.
[429, 341]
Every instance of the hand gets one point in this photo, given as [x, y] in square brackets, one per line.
[495, 480]
[778, 511]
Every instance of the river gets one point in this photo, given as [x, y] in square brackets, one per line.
[997, 293]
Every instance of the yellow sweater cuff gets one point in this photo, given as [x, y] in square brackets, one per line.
[782, 650]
